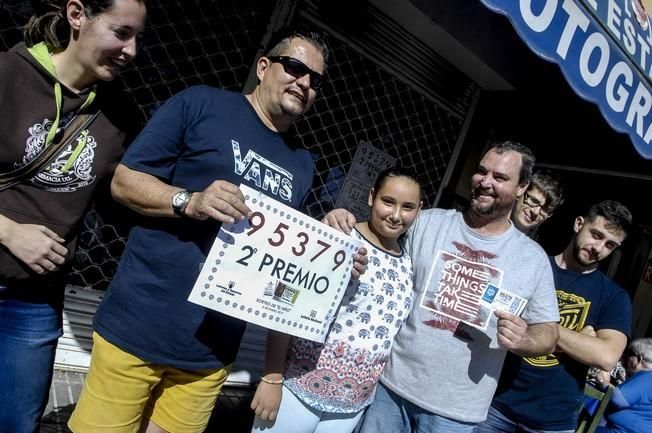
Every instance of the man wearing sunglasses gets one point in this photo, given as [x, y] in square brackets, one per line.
[544, 393]
[158, 360]
[538, 203]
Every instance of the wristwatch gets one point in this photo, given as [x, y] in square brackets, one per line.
[180, 201]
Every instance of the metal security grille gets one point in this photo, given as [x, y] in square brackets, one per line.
[13, 14]
[362, 102]
[215, 42]
[211, 42]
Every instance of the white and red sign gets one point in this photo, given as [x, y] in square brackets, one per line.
[280, 269]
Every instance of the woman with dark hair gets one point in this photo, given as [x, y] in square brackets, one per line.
[51, 102]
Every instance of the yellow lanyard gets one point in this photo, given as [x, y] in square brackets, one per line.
[41, 53]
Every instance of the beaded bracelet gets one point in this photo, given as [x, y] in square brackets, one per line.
[272, 382]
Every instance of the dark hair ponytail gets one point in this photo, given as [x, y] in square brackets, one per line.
[48, 24]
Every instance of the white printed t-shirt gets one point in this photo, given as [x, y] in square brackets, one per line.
[443, 365]
[340, 375]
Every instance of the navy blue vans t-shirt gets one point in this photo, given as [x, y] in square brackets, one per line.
[546, 392]
[199, 136]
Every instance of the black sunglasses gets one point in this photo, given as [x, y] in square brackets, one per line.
[298, 69]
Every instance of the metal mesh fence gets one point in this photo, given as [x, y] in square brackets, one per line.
[13, 14]
[204, 42]
[214, 42]
[362, 102]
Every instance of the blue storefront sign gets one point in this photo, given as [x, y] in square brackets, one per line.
[604, 49]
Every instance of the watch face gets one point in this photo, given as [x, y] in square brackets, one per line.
[180, 198]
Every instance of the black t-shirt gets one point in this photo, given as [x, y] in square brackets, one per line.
[200, 135]
[546, 392]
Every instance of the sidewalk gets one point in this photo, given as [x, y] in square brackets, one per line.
[66, 386]
[231, 415]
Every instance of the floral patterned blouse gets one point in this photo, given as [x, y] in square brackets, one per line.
[340, 375]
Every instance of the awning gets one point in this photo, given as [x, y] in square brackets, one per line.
[604, 49]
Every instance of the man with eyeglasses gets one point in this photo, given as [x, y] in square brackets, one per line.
[158, 360]
[544, 393]
[538, 203]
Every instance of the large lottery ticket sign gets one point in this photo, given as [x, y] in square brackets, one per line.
[279, 269]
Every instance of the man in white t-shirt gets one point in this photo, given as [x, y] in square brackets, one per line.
[443, 372]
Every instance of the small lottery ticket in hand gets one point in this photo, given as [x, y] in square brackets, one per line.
[500, 299]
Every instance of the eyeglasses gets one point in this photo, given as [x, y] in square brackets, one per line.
[298, 69]
[531, 201]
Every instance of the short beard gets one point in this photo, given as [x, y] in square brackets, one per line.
[578, 258]
[494, 210]
[484, 210]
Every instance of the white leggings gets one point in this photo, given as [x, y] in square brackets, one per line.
[296, 417]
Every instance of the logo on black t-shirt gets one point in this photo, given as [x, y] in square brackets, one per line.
[264, 173]
[573, 311]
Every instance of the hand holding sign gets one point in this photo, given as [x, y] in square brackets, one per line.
[221, 201]
[279, 269]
